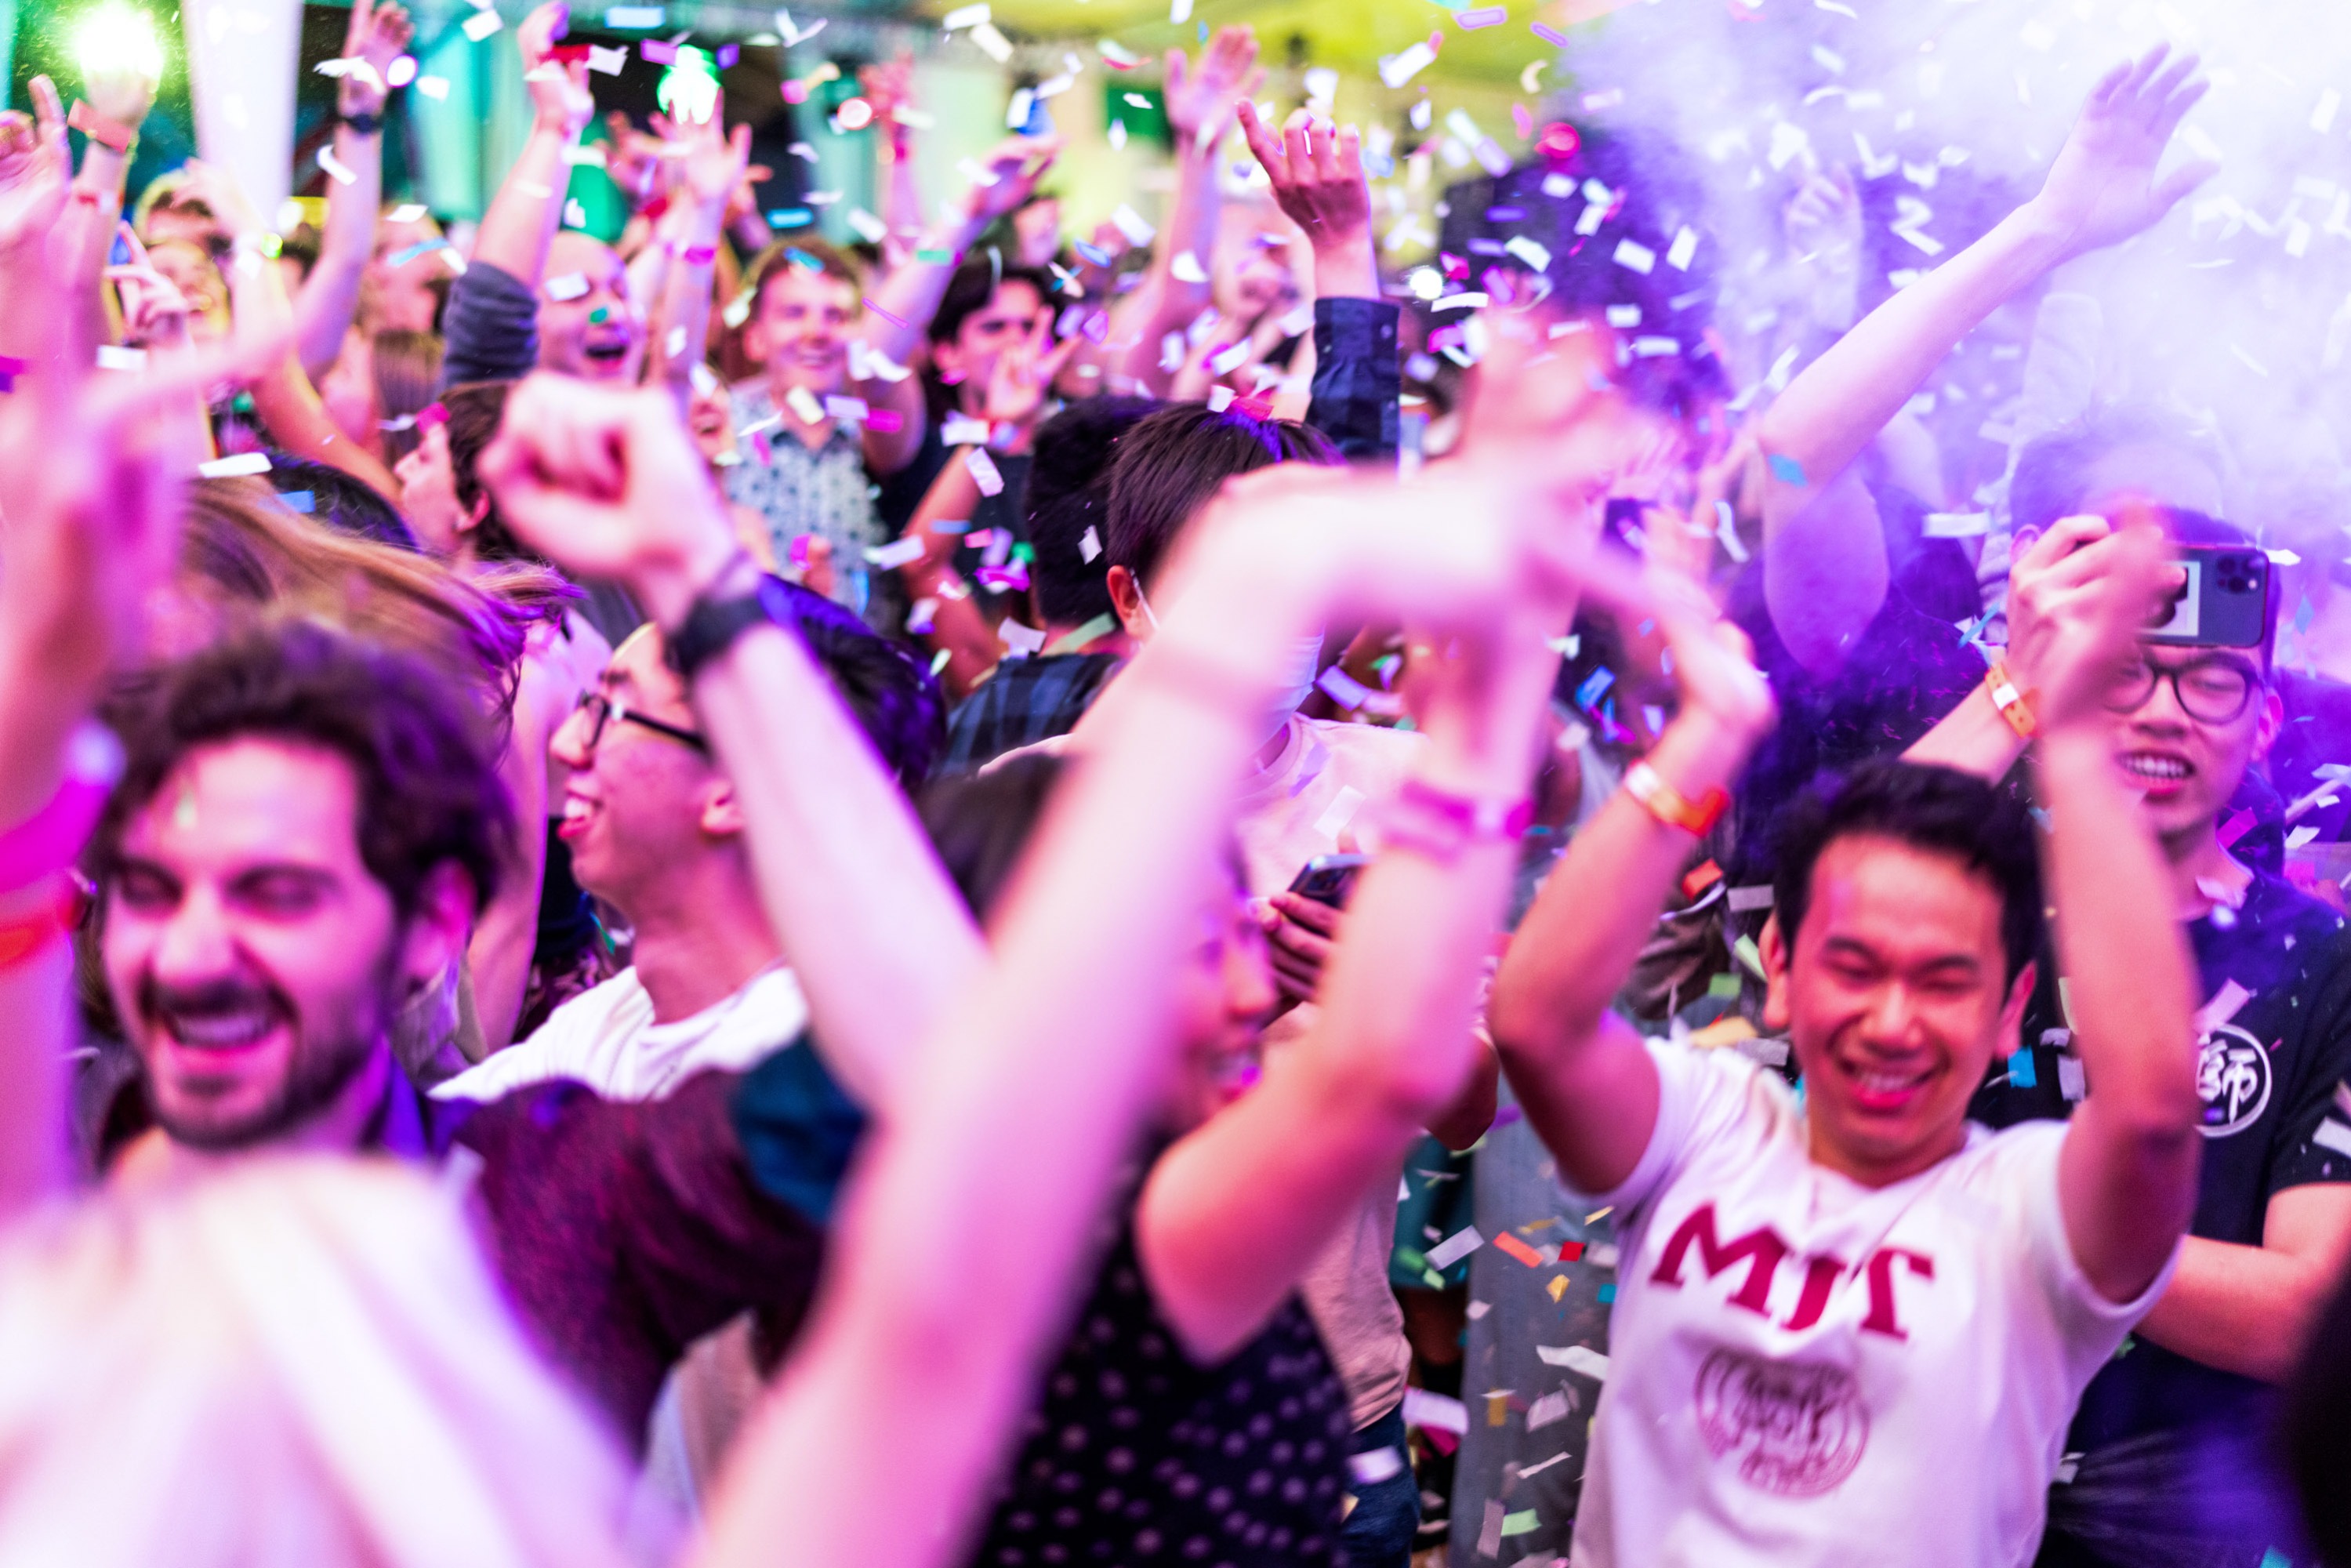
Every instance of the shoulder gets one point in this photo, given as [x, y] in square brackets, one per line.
[555, 1050]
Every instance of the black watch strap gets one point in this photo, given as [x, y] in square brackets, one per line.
[365, 124]
[711, 627]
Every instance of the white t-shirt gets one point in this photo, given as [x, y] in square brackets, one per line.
[1803, 1370]
[606, 1039]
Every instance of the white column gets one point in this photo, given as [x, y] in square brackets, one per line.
[242, 56]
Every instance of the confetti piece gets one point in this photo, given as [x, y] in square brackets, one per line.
[1607, 1292]
[1745, 900]
[1745, 950]
[633, 18]
[896, 553]
[932, 255]
[1374, 1465]
[1462, 1242]
[2023, 1072]
[962, 429]
[113, 357]
[1551, 35]
[1955, 524]
[301, 501]
[1435, 1411]
[887, 421]
[894, 321]
[481, 25]
[1551, 1407]
[983, 471]
[1331, 824]
[790, 218]
[433, 86]
[1131, 223]
[1186, 268]
[963, 17]
[804, 407]
[1399, 68]
[2071, 1081]
[1533, 252]
[2331, 1135]
[992, 43]
[1558, 1286]
[1634, 257]
[1684, 249]
[1483, 16]
[569, 285]
[2236, 828]
[2224, 1006]
[939, 661]
[655, 52]
[851, 409]
[1523, 1523]
[1505, 1242]
[234, 466]
[1090, 547]
[1787, 470]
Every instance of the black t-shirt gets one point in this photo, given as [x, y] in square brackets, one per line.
[2268, 1076]
[1137, 1454]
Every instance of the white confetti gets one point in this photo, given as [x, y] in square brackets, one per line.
[896, 553]
[608, 61]
[480, 25]
[983, 471]
[436, 87]
[1186, 268]
[235, 466]
[1683, 250]
[1399, 68]
[962, 429]
[1575, 1358]
[1635, 256]
[1019, 637]
[1462, 1242]
[1131, 223]
[993, 44]
[1090, 546]
[568, 286]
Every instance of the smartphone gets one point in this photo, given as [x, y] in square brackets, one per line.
[2224, 602]
[1620, 523]
[1329, 879]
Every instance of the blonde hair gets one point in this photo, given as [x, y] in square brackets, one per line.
[296, 1363]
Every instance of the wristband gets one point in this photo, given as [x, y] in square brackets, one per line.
[50, 839]
[26, 934]
[693, 254]
[99, 129]
[713, 624]
[1441, 824]
[365, 124]
[2013, 704]
[1670, 805]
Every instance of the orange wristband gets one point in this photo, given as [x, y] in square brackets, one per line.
[1670, 805]
[26, 934]
[2013, 704]
[99, 129]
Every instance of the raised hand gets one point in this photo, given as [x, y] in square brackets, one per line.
[1317, 169]
[606, 483]
[219, 191]
[2103, 188]
[888, 86]
[155, 311]
[121, 88]
[2077, 601]
[559, 94]
[1823, 221]
[1198, 98]
[377, 36]
[712, 165]
[36, 168]
[1024, 373]
[1015, 166]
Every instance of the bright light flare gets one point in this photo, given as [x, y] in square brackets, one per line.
[116, 39]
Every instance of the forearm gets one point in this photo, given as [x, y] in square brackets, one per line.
[680, 334]
[1972, 738]
[2245, 1309]
[912, 291]
[879, 938]
[90, 219]
[329, 296]
[1843, 398]
[523, 217]
[2128, 975]
[901, 192]
[37, 996]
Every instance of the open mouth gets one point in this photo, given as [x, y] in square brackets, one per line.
[1882, 1088]
[216, 1022]
[577, 811]
[2156, 772]
[606, 354]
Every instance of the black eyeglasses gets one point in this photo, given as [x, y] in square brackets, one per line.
[2211, 690]
[603, 711]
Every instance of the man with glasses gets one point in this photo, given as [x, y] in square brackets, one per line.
[656, 832]
[2167, 1458]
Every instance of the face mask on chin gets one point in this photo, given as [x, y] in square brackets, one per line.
[1301, 663]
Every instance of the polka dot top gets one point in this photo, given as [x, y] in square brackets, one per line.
[1137, 1455]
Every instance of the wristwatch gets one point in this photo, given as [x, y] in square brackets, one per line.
[365, 124]
[711, 627]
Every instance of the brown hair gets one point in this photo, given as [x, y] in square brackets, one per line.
[407, 372]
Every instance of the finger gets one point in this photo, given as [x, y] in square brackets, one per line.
[1177, 67]
[1347, 154]
[2141, 73]
[2110, 85]
[1296, 146]
[2175, 110]
[1263, 147]
[2176, 186]
[48, 110]
[1310, 912]
[2167, 81]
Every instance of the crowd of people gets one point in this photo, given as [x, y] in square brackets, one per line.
[728, 899]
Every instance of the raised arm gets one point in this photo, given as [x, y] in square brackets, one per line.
[528, 207]
[2101, 191]
[323, 308]
[2127, 1177]
[691, 231]
[1585, 1079]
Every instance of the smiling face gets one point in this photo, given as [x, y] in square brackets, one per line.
[1224, 993]
[594, 334]
[191, 271]
[802, 329]
[2174, 745]
[640, 807]
[1896, 1000]
[428, 495]
[255, 963]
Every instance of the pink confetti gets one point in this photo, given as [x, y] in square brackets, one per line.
[1484, 16]
[884, 420]
[657, 53]
[1548, 35]
[894, 321]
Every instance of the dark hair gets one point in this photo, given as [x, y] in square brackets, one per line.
[895, 699]
[1069, 493]
[975, 284]
[476, 410]
[2049, 482]
[2195, 528]
[1938, 810]
[429, 791]
[1170, 463]
[346, 504]
[980, 822]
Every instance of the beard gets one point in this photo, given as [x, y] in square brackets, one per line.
[325, 1060]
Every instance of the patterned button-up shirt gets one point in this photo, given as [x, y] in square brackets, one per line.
[823, 491]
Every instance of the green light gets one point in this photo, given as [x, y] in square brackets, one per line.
[689, 90]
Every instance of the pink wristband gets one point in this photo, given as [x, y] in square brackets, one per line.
[48, 842]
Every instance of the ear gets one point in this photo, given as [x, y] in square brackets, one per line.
[754, 338]
[2269, 722]
[1777, 1014]
[439, 925]
[722, 814]
[947, 358]
[2022, 539]
[2011, 1012]
[476, 512]
[1126, 598]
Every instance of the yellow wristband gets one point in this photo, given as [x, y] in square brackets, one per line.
[2013, 704]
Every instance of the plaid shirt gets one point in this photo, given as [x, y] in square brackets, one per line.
[1024, 702]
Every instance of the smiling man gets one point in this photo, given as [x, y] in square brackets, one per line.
[1851, 1327]
[305, 830]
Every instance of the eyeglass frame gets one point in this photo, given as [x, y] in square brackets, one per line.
[2158, 674]
[614, 711]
